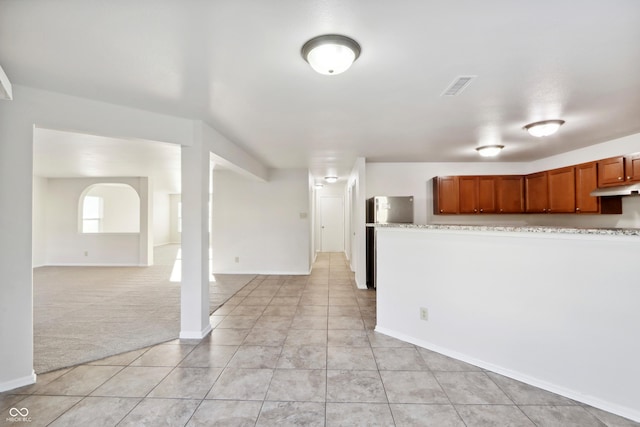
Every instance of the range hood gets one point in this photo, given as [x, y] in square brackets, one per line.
[623, 190]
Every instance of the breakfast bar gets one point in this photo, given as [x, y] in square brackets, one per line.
[556, 308]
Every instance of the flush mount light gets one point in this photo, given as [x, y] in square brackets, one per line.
[543, 128]
[331, 179]
[319, 185]
[330, 54]
[489, 150]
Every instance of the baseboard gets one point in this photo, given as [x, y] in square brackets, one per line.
[93, 265]
[196, 335]
[622, 411]
[264, 273]
[18, 382]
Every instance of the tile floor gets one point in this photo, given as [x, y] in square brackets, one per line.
[285, 351]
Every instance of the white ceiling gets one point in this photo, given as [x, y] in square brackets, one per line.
[59, 154]
[237, 65]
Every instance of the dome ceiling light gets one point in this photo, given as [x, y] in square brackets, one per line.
[489, 150]
[543, 128]
[330, 54]
[331, 179]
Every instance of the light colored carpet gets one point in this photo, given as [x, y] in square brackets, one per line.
[87, 313]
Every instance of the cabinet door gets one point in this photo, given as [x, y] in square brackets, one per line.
[468, 192]
[586, 182]
[611, 172]
[445, 195]
[562, 190]
[487, 194]
[510, 194]
[536, 192]
[632, 167]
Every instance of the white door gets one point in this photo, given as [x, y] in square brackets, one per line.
[331, 224]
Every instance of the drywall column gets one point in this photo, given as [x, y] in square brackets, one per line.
[145, 191]
[194, 296]
[16, 287]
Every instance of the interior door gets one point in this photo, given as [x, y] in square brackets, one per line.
[332, 224]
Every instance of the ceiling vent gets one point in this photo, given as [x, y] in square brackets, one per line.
[458, 85]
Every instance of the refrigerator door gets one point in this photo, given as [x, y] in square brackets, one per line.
[393, 209]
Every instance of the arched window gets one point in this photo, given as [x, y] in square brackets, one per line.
[109, 208]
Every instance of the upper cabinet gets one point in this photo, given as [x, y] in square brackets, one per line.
[619, 170]
[632, 167]
[611, 172]
[586, 182]
[536, 192]
[445, 195]
[562, 190]
[477, 194]
[510, 193]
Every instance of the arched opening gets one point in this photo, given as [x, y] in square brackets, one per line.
[109, 208]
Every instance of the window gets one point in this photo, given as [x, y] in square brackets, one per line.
[92, 213]
[109, 208]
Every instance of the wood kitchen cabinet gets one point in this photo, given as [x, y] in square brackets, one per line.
[632, 167]
[477, 194]
[551, 191]
[445, 195]
[611, 172]
[536, 192]
[561, 190]
[510, 194]
[586, 182]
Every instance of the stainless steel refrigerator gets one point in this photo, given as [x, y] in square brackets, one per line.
[384, 210]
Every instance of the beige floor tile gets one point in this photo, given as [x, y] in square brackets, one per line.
[359, 414]
[187, 383]
[225, 413]
[160, 412]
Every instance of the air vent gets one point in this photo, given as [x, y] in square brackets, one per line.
[458, 85]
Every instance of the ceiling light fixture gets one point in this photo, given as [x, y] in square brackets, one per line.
[489, 150]
[319, 185]
[331, 179]
[330, 54]
[543, 128]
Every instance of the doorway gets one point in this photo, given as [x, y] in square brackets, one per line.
[331, 224]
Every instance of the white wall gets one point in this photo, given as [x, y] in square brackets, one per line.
[121, 208]
[39, 238]
[556, 311]
[358, 184]
[161, 218]
[174, 230]
[415, 179]
[400, 179]
[65, 245]
[261, 223]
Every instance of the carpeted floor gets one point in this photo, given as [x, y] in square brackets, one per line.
[87, 313]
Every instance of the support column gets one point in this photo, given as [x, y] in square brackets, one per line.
[145, 186]
[194, 295]
[16, 286]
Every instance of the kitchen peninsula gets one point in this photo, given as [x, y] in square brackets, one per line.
[553, 307]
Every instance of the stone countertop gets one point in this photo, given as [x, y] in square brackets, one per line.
[518, 229]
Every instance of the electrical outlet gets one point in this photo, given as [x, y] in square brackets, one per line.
[237, 259]
[424, 313]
